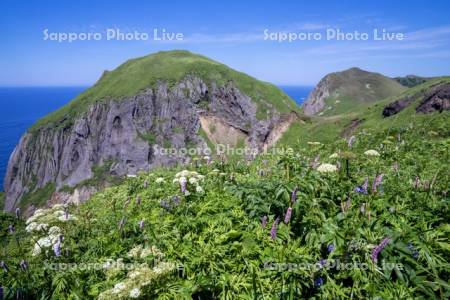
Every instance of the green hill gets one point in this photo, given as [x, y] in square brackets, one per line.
[345, 91]
[137, 74]
[411, 80]
[370, 116]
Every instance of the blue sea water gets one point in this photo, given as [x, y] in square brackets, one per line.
[298, 93]
[20, 107]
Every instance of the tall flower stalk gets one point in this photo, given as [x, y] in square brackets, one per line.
[377, 182]
[273, 231]
[377, 250]
[288, 215]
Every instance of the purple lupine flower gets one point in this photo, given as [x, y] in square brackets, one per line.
[376, 182]
[322, 262]
[330, 248]
[141, 224]
[294, 195]
[287, 217]
[273, 231]
[318, 282]
[121, 223]
[18, 213]
[264, 222]
[183, 183]
[176, 199]
[138, 200]
[164, 204]
[4, 266]
[362, 189]
[377, 250]
[350, 141]
[57, 249]
[23, 265]
[414, 252]
[11, 228]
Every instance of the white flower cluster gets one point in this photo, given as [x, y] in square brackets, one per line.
[141, 252]
[39, 224]
[326, 168]
[191, 180]
[47, 241]
[137, 279]
[372, 152]
[160, 180]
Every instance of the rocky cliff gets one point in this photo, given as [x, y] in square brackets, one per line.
[123, 134]
[341, 92]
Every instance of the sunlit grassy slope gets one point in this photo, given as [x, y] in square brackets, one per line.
[355, 88]
[369, 116]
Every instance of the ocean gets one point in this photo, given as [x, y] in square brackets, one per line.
[22, 106]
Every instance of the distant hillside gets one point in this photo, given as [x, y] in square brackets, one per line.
[426, 105]
[411, 80]
[344, 91]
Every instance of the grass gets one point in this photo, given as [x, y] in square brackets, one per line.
[38, 197]
[356, 88]
[171, 67]
[329, 128]
[216, 247]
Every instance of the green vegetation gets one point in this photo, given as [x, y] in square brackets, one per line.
[149, 137]
[2, 199]
[138, 74]
[369, 116]
[39, 196]
[356, 88]
[211, 243]
[411, 80]
[205, 137]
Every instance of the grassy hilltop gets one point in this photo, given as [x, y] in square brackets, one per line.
[171, 67]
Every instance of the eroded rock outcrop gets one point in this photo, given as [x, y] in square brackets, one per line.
[436, 98]
[124, 136]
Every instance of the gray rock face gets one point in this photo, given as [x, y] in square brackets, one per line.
[316, 99]
[125, 134]
[436, 98]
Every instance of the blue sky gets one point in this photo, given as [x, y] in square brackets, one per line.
[229, 31]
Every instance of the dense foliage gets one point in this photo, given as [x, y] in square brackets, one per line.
[364, 218]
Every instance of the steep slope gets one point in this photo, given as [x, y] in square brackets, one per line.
[120, 125]
[343, 91]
